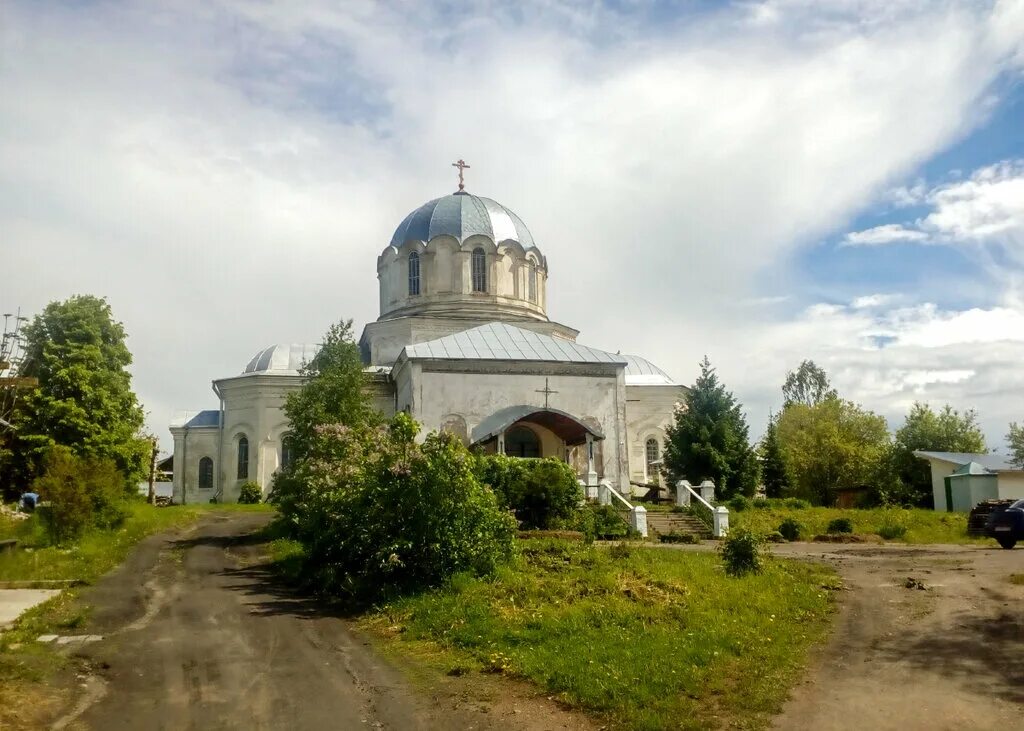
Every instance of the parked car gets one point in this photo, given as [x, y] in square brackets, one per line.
[1007, 526]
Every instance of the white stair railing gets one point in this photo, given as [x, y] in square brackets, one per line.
[637, 513]
[718, 517]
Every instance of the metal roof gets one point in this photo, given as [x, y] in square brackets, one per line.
[207, 418]
[463, 215]
[641, 372]
[973, 468]
[282, 359]
[993, 462]
[501, 341]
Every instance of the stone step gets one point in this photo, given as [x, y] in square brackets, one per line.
[680, 522]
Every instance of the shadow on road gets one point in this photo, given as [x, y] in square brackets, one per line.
[984, 654]
[267, 593]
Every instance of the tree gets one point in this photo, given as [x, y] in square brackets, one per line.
[831, 445]
[709, 439]
[808, 385]
[924, 429]
[773, 467]
[379, 514]
[84, 400]
[1015, 439]
[334, 392]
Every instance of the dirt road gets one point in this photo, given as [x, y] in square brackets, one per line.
[946, 656]
[197, 635]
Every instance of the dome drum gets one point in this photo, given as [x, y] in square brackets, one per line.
[463, 256]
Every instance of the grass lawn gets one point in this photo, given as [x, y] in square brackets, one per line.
[922, 526]
[642, 637]
[97, 551]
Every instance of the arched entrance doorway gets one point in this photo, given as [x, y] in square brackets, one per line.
[521, 441]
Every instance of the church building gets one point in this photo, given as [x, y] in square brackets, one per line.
[463, 344]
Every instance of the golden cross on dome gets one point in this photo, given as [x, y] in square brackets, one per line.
[461, 165]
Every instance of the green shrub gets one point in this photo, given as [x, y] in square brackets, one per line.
[791, 529]
[738, 504]
[891, 530]
[840, 525]
[762, 503]
[796, 503]
[741, 552]
[82, 493]
[250, 493]
[541, 492]
[608, 524]
[379, 515]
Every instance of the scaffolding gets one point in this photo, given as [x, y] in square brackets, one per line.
[12, 382]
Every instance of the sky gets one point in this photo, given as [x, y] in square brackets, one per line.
[760, 182]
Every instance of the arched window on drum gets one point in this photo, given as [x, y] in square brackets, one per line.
[479, 270]
[414, 273]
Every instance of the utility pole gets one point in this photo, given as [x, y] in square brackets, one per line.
[152, 474]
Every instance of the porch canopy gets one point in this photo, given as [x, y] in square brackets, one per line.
[565, 426]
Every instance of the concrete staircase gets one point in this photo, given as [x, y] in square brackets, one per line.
[663, 523]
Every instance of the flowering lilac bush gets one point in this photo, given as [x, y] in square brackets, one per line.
[380, 515]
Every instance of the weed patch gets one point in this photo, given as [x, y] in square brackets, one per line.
[895, 524]
[644, 638]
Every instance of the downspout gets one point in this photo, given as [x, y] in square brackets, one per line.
[220, 441]
[184, 463]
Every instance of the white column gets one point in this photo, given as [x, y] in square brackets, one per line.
[720, 518]
[604, 493]
[638, 519]
[683, 493]
[707, 491]
[591, 472]
[501, 442]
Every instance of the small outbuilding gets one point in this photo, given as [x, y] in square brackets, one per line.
[961, 480]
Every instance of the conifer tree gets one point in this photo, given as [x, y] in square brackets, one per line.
[773, 468]
[710, 439]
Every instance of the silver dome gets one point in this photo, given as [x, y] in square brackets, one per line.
[463, 215]
[282, 359]
[641, 372]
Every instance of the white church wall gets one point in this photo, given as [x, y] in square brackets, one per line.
[253, 407]
[190, 446]
[434, 395]
[649, 412]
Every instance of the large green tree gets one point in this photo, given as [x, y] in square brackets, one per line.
[831, 445]
[808, 385]
[946, 430]
[773, 466]
[84, 400]
[709, 439]
[334, 391]
[1015, 438]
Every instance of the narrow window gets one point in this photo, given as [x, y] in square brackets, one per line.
[532, 283]
[651, 450]
[206, 474]
[243, 459]
[479, 270]
[414, 273]
[287, 454]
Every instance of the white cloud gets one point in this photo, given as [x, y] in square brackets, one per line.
[990, 205]
[889, 233]
[228, 172]
[987, 208]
